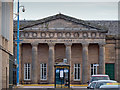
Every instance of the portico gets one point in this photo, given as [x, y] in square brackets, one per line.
[68, 44]
[50, 40]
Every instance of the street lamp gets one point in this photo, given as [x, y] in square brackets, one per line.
[18, 41]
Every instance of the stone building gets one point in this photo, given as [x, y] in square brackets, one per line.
[6, 41]
[90, 47]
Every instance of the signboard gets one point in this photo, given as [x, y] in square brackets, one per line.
[61, 73]
[66, 70]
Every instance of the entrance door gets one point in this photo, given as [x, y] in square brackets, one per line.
[61, 77]
[109, 70]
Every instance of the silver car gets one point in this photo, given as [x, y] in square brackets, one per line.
[98, 77]
[110, 86]
[97, 84]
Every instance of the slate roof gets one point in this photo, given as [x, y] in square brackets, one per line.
[110, 25]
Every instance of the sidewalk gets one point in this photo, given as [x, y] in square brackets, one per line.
[48, 86]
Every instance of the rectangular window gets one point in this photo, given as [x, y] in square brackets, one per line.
[27, 70]
[43, 71]
[93, 69]
[76, 71]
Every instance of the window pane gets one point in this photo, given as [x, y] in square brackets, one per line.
[93, 69]
[75, 73]
[91, 65]
[43, 71]
[75, 65]
[78, 73]
[28, 73]
[44, 65]
[28, 65]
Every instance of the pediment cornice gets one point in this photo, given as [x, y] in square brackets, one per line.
[66, 18]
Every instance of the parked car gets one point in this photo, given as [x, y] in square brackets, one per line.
[110, 86]
[97, 84]
[98, 77]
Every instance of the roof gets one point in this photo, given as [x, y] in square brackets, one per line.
[62, 64]
[106, 81]
[61, 16]
[99, 75]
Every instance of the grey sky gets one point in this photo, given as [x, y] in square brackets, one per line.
[80, 10]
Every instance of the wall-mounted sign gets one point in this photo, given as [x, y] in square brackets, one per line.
[61, 73]
[66, 70]
[57, 71]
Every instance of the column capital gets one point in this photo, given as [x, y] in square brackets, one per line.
[85, 44]
[34, 44]
[102, 44]
[51, 44]
[68, 44]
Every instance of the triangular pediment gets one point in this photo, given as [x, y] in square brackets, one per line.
[61, 21]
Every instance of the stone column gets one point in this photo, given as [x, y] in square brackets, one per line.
[51, 61]
[101, 58]
[34, 63]
[85, 62]
[68, 52]
[68, 56]
[117, 61]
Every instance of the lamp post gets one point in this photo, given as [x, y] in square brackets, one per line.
[18, 41]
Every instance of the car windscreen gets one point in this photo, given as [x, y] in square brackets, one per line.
[100, 78]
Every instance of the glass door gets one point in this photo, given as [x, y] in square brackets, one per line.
[61, 78]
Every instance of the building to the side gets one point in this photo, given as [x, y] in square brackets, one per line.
[6, 42]
[89, 47]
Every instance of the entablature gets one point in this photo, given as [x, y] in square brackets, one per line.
[61, 34]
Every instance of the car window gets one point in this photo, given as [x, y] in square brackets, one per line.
[99, 84]
[92, 85]
[99, 78]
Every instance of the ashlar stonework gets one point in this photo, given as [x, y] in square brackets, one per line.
[58, 37]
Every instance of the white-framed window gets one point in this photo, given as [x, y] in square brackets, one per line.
[27, 71]
[76, 71]
[93, 69]
[43, 71]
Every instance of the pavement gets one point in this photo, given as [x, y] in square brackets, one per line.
[48, 86]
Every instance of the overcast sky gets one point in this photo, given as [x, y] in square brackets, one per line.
[81, 10]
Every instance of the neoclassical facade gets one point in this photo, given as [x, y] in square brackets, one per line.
[88, 48]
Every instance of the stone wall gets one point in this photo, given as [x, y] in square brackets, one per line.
[76, 57]
[61, 36]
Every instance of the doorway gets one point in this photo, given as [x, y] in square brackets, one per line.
[62, 76]
[109, 70]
